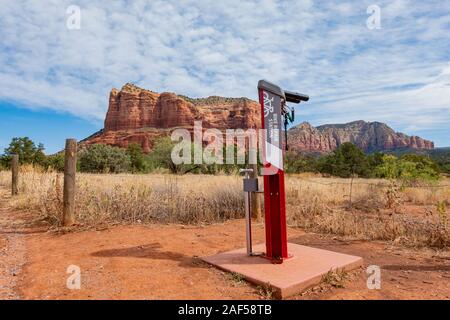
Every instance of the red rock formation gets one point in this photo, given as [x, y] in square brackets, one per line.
[369, 136]
[141, 116]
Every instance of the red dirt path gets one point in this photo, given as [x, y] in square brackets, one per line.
[160, 262]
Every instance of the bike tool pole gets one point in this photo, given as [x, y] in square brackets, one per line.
[249, 186]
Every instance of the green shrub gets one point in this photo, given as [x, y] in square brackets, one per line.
[297, 163]
[101, 158]
[137, 159]
[409, 168]
[55, 161]
[27, 150]
[345, 161]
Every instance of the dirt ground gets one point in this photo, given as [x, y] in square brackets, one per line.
[161, 262]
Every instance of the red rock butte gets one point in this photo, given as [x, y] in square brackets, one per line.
[137, 115]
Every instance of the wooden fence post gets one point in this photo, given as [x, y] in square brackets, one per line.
[15, 174]
[70, 168]
[255, 196]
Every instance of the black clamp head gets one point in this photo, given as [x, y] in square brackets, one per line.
[295, 97]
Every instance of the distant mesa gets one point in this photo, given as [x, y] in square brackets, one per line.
[137, 115]
[369, 136]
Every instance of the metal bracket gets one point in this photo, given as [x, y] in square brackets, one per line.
[250, 185]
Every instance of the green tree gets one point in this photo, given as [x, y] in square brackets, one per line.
[234, 166]
[104, 159]
[373, 161]
[422, 162]
[161, 157]
[39, 156]
[4, 162]
[389, 168]
[445, 168]
[136, 155]
[442, 158]
[409, 168]
[345, 161]
[296, 162]
[26, 149]
[55, 161]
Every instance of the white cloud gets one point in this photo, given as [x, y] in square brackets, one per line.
[399, 74]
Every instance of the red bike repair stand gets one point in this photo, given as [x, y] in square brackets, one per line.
[287, 272]
[273, 107]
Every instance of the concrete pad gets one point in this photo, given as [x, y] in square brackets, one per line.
[304, 270]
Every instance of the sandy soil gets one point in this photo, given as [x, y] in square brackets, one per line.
[12, 249]
[161, 262]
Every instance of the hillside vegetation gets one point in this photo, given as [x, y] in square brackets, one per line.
[347, 161]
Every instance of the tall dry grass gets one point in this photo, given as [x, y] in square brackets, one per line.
[132, 198]
[362, 208]
[376, 210]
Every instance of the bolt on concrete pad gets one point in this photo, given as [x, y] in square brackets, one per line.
[304, 270]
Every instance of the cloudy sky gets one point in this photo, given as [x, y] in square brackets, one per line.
[55, 79]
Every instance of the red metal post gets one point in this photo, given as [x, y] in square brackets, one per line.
[274, 193]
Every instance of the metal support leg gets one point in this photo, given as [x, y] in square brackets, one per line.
[250, 185]
[248, 223]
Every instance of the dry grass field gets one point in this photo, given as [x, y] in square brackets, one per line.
[140, 236]
[360, 209]
[372, 209]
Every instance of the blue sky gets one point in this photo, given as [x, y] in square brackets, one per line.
[55, 81]
[46, 126]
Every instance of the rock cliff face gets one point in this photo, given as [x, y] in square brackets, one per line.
[141, 116]
[369, 136]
